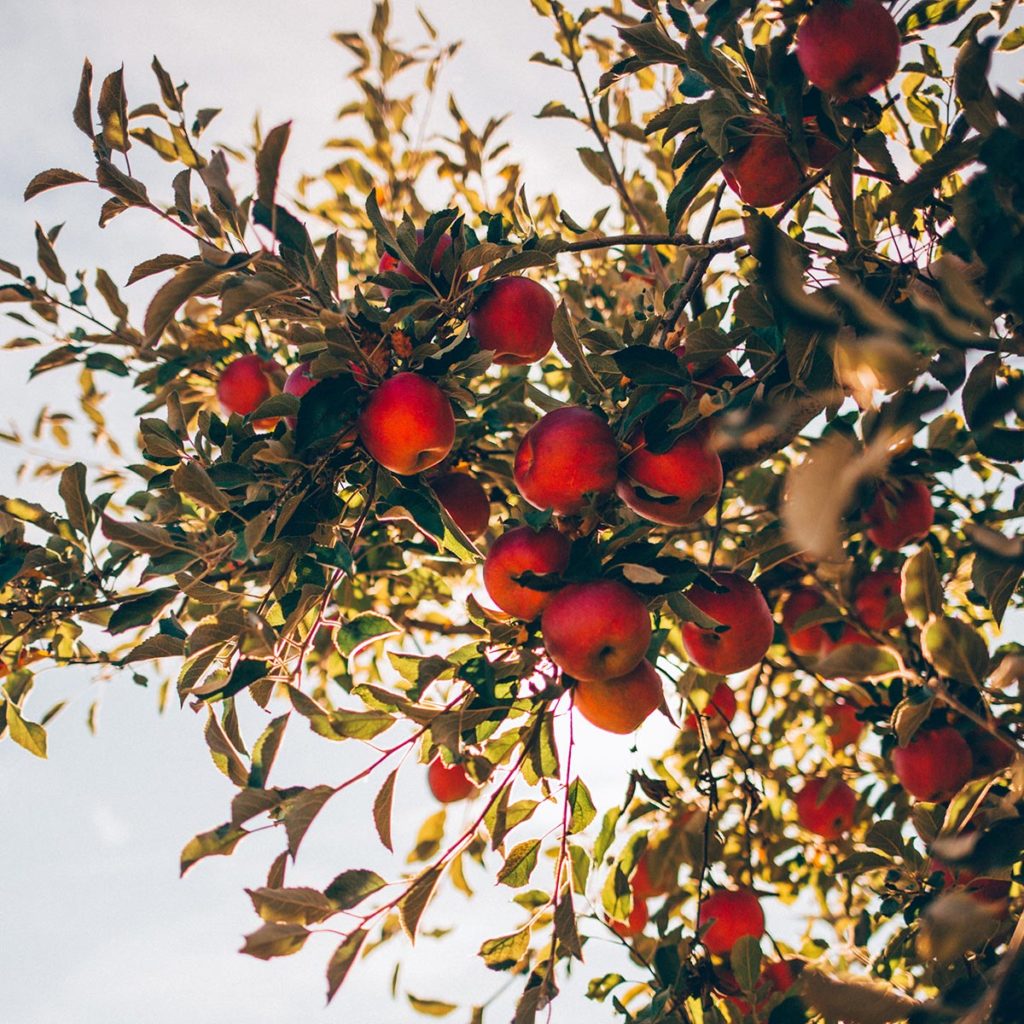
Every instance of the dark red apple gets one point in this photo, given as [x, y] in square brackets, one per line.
[934, 764]
[877, 600]
[521, 550]
[407, 424]
[845, 727]
[743, 609]
[733, 913]
[719, 712]
[764, 171]
[245, 384]
[596, 630]
[513, 320]
[901, 512]
[570, 453]
[808, 640]
[465, 501]
[848, 48]
[395, 265]
[825, 807]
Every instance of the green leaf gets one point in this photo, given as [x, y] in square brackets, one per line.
[265, 751]
[382, 809]
[745, 960]
[325, 412]
[505, 951]
[519, 864]
[141, 611]
[274, 940]
[921, 590]
[342, 960]
[298, 905]
[350, 888]
[956, 649]
[218, 842]
[54, 178]
[29, 735]
[358, 633]
[581, 806]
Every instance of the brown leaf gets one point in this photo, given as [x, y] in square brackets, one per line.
[47, 258]
[53, 178]
[113, 110]
[172, 296]
[82, 114]
[268, 162]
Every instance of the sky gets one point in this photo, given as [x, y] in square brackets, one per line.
[95, 925]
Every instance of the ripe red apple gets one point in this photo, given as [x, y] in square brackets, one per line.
[645, 885]
[934, 764]
[622, 704]
[844, 725]
[465, 501]
[675, 487]
[638, 918]
[877, 600]
[764, 172]
[449, 783]
[989, 754]
[596, 630]
[542, 552]
[720, 369]
[245, 384]
[395, 265]
[820, 149]
[298, 383]
[809, 640]
[569, 453]
[407, 424]
[733, 913]
[849, 635]
[901, 512]
[848, 48]
[719, 712]
[991, 893]
[826, 814]
[743, 609]
[513, 320]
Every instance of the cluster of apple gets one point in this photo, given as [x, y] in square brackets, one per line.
[848, 49]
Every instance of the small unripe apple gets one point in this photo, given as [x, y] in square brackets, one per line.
[407, 424]
[569, 453]
[596, 630]
[734, 913]
[449, 783]
[513, 320]
[521, 550]
[825, 807]
[620, 705]
[719, 712]
[901, 512]
[806, 641]
[845, 727]
[395, 265]
[245, 384]
[674, 487]
[877, 600]
[848, 48]
[764, 172]
[465, 500]
[934, 764]
[743, 609]
[637, 922]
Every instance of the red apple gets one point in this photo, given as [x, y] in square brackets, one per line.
[391, 263]
[645, 886]
[991, 893]
[719, 712]
[675, 487]
[569, 453]
[596, 630]
[721, 368]
[733, 913]
[407, 424]
[901, 512]
[245, 384]
[513, 320]
[877, 600]
[449, 783]
[849, 635]
[298, 383]
[542, 552]
[825, 807]
[465, 501]
[777, 976]
[808, 640]
[764, 172]
[622, 704]
[844, 725]
[743, 609]
[934, 764]
[638, 918]
[848, 48]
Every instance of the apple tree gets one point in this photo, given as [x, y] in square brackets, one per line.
[741, 449]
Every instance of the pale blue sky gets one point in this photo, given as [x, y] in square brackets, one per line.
[95, 926]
